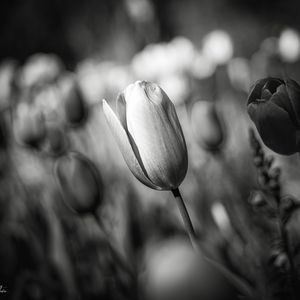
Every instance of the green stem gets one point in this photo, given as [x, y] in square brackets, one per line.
[242, 286]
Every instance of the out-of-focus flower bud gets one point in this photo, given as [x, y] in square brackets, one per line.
[39, 69]
[173, 270]
[29, 125]
[239, 73]
[217, 46]
[79, 182]
[177, 87]
[289, 45]
[273, 106]
[203, 66]
[75, 109]
[55, 141]
[91, 75]
[149, 135]
[207, 125]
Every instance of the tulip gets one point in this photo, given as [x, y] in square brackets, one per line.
[289, 45]
[218, 46]
[79, 182]
[149, 135]
[207, 126]
[55, 141]
[40, 69]
[75, 109]
[273, 106]
[29, 125]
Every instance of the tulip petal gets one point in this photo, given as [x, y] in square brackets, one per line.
[275, 127]
[293, 90]
[124, 145]
[256, 90]
[282, 99]
[155, 129]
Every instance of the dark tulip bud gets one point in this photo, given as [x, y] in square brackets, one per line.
[55, 142]
[29, 125]
[274, 107]
[79, 182]
[75, 107]
[207, 125]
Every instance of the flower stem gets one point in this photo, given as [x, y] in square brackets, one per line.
[234, 279]
[185, 215]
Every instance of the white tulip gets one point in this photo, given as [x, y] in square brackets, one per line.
[149, 135]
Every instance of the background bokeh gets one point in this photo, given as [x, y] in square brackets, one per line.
[74, 222]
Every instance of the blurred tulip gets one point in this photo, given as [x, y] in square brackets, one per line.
[79, 182]
[202, 67]
[149, 135]
[273, 106]
[289, 45]
[75, 109]
[177, 87]
[164, 59]
[92, 79]
[269, 46]
[39, 69]
[29, 125]
[48, 101]
[55, 141]
[207, 126]
[239, 73]
[217, 46]
[173, 270]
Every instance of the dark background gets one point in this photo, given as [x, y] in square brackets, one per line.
[77, 29]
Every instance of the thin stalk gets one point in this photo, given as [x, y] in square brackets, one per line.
[242, 286]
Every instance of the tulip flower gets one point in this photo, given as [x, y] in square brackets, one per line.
[289, 45]
[207, 126]
[273, 106]
[75, 109]
[79, 182]
[55, 142]
[29, 125]
[149, 135]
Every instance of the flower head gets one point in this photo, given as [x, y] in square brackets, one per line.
[149, 135]
[274, 107]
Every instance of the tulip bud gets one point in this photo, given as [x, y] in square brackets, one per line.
[79, 182]
[75, 108]
[206, 125]
[218, 46]
[149, 135]
[40, 69]
[289, 45]
[29, 125]
[273, 106]
[55, 141]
